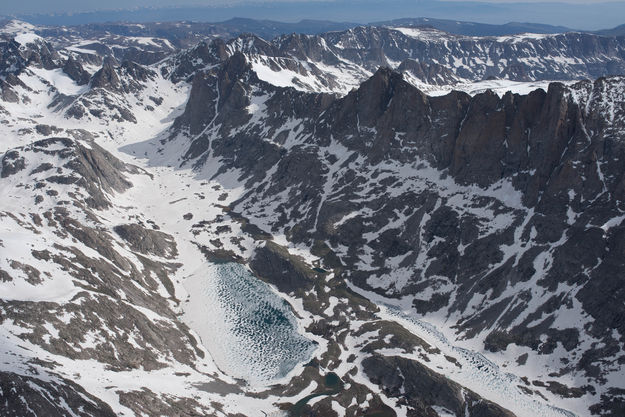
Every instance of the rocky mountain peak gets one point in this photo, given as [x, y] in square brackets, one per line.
[17, 53]
[75, 71]
[307, 47]
[219, 91]
[373, 97]
[249, 43]
[234, 67]
[368, 118]
[201, 56]
[106, 77]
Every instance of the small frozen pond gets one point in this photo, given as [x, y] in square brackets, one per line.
[249, 330]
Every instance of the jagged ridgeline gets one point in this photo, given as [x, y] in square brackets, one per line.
[379, 221]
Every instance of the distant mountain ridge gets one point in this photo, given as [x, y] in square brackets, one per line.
[185, 33]
[269, 29]
[475, 29]
[616, 31]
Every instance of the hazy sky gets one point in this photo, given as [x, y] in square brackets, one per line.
[63, 6]
[582, 14]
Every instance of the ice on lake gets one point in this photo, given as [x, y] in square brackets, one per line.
[250, 331]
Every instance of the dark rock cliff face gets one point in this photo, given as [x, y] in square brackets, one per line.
[28, 396]
[128, 77]
[214, 96]
[487, 203]
[75, 71]
[533, 140]
[147, 241]
[15, 58]
[430, 73]
[92, 168]
[204, 54]
[421, 388]
[106, 77]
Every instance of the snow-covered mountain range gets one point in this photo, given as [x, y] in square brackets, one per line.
[381, 221]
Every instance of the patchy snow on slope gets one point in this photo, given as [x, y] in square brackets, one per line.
[280, 78]
[476, 371]
[524, 36]
[423, 33]
[499, 87]
[28, 37]
[15, 27]
[60, 81]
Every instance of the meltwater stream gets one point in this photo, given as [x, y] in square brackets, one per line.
[249, 330]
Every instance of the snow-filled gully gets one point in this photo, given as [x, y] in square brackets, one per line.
[475, 372]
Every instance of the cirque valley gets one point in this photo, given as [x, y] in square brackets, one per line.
[378, 221]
